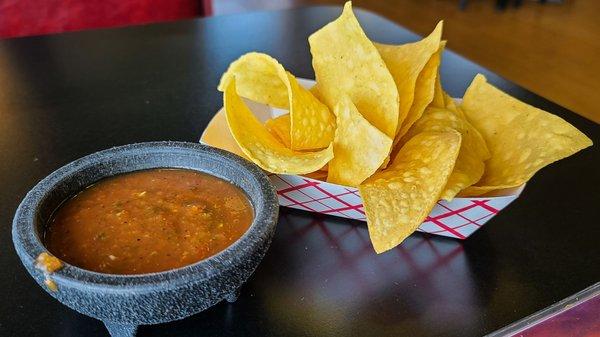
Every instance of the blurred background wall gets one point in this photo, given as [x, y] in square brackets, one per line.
[549, 47]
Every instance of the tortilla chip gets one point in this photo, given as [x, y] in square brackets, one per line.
[438, 100]
[473, 150]
[217, 135]
[315, 91]
[424, 91]
[280, 128]
[398, 199]
[261, 146]
[317, 175]
[347, 63]
[414, 71]
[264, 80]
[439, 95]
[359, 148]
[522, 139]
[258, 77]
[451, 105]
[312, 125]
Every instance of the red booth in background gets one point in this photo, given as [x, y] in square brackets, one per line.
[38, 17]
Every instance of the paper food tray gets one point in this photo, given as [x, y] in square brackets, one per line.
[458, 218]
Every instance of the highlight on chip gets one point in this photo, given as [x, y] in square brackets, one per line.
[359, 148]
[522, 139]
[473, 150]
[262, 147]
[398, 199]
[264, 80]
[347, 63]
[414, 68]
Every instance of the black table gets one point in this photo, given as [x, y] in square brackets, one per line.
[68, 95]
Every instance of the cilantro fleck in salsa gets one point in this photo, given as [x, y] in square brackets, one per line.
[148, 221]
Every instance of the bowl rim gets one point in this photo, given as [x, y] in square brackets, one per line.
[29, 245]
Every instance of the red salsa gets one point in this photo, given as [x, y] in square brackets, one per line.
[148, 221]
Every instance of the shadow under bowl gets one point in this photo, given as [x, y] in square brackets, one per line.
[123, 302]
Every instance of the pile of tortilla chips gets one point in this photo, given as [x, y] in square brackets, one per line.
[378, 119]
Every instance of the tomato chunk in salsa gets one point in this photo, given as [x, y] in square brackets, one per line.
[148, 221]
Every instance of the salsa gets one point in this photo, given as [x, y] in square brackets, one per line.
[148, 221]
[48, 264]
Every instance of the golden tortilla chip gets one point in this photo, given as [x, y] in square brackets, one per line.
[438, 100]
[347, 63]
[413, 68]
[424, 91]
[264, 80]
[451, 105]
[217, 135]
[315, 91]
[312, 125]
[473, 150]
[522, 139]
[318, 175]
[439, 95]
[280, 128]
[398, 199]
[423, 96]
[359, 148]
[261, 146]
[258, 77]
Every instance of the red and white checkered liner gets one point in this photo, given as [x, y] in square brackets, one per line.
[458, 219]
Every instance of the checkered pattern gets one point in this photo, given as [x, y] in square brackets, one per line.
[458, 219]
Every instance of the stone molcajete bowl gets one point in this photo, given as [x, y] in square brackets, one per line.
[123, 302]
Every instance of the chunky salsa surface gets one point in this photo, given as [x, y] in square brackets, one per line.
[148, 221]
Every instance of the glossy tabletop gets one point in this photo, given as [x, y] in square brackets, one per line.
[68, 95]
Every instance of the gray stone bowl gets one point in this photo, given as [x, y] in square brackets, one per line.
[123, 302]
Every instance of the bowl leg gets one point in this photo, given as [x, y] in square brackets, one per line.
[120, 329]
[233, 296]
